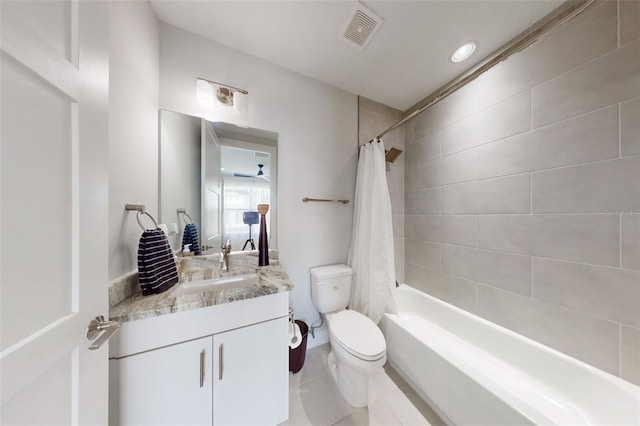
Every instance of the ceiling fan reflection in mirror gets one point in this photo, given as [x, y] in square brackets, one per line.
[261, 174]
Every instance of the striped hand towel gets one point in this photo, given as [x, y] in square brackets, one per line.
[156, 267]
[190, 236]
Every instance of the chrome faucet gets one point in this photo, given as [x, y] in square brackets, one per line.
[226, 250]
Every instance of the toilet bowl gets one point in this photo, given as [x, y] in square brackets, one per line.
[358, 347]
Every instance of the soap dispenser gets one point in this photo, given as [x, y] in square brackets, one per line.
[186, 250]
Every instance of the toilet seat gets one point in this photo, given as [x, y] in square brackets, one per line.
[357, 335]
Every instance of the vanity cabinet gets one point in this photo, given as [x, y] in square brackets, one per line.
[222, 365]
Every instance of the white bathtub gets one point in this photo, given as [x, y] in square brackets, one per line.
[474, 372]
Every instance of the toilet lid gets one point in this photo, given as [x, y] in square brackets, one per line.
[358, 334]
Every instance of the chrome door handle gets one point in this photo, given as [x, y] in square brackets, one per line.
[99, 325]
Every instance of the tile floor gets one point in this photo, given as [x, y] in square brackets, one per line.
[315, 400]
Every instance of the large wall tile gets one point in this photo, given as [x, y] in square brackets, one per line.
[583, 139]
[630, 354]
[582, 238]
[395, 177]
[409, 228]
[608, 293]
[454, 290]
[398, 249]
[426, 201]
[408, 273]
[377, 107]
[510, 194]
[397, 222]
[394, 137]
[368, 125]
[400, 277]
[610, 186]
[608, 80]
[423, 253]
[630, 127]
[408, 133]
[589, 339]
[397, 203]
[571, 45]
[507, 118]
[504, 270]
[460, 230]
[455, 168]
[459, 105]
[408, 178]
[425, 149]
[629, 21]
[630, 240]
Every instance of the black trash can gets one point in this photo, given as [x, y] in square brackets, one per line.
[296, 356]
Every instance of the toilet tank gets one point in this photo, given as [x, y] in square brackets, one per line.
[331, 287]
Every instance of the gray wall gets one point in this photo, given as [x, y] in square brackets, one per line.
[134, 50]
[522, 192]
[374, 118]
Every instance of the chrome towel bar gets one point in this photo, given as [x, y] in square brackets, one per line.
[306, 199]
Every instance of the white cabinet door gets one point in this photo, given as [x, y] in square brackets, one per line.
[54, 79]
[251, 375]
[166, 386]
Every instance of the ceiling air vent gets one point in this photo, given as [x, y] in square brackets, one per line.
[361, 27]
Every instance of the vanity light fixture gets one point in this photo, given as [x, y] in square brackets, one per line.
[210, 93]
[204, 93]
[464, 52]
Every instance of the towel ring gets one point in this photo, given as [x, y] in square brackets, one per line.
[187, 215]
[150, 217]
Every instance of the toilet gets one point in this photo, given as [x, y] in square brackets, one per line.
[357, 345]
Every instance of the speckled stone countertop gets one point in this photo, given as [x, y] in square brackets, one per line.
[128, 303]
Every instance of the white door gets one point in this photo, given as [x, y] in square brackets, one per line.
[251, 375]
[211, 182]
[54, 86]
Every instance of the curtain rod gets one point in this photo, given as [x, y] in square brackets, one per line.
[509, 49]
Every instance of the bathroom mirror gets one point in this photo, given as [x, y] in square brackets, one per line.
[214, 175]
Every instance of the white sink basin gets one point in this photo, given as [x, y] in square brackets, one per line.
[192, 287]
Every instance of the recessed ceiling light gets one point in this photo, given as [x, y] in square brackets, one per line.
[463, 52]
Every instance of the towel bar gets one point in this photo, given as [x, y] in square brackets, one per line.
[306, 199]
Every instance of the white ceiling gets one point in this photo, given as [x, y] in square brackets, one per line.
[243, 161]
[407, 59]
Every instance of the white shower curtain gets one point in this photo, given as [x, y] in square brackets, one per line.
[371, 252]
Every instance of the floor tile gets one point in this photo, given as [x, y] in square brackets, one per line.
[315, 365]
[315, 400]
[317, 403]
[404, 410]
[359, 417]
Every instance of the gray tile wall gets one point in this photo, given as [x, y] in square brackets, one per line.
[373, 118]
[522, 192]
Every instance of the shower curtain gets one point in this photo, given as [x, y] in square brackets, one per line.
[371, 251]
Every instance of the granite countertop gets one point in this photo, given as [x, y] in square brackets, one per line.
[128, 303]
